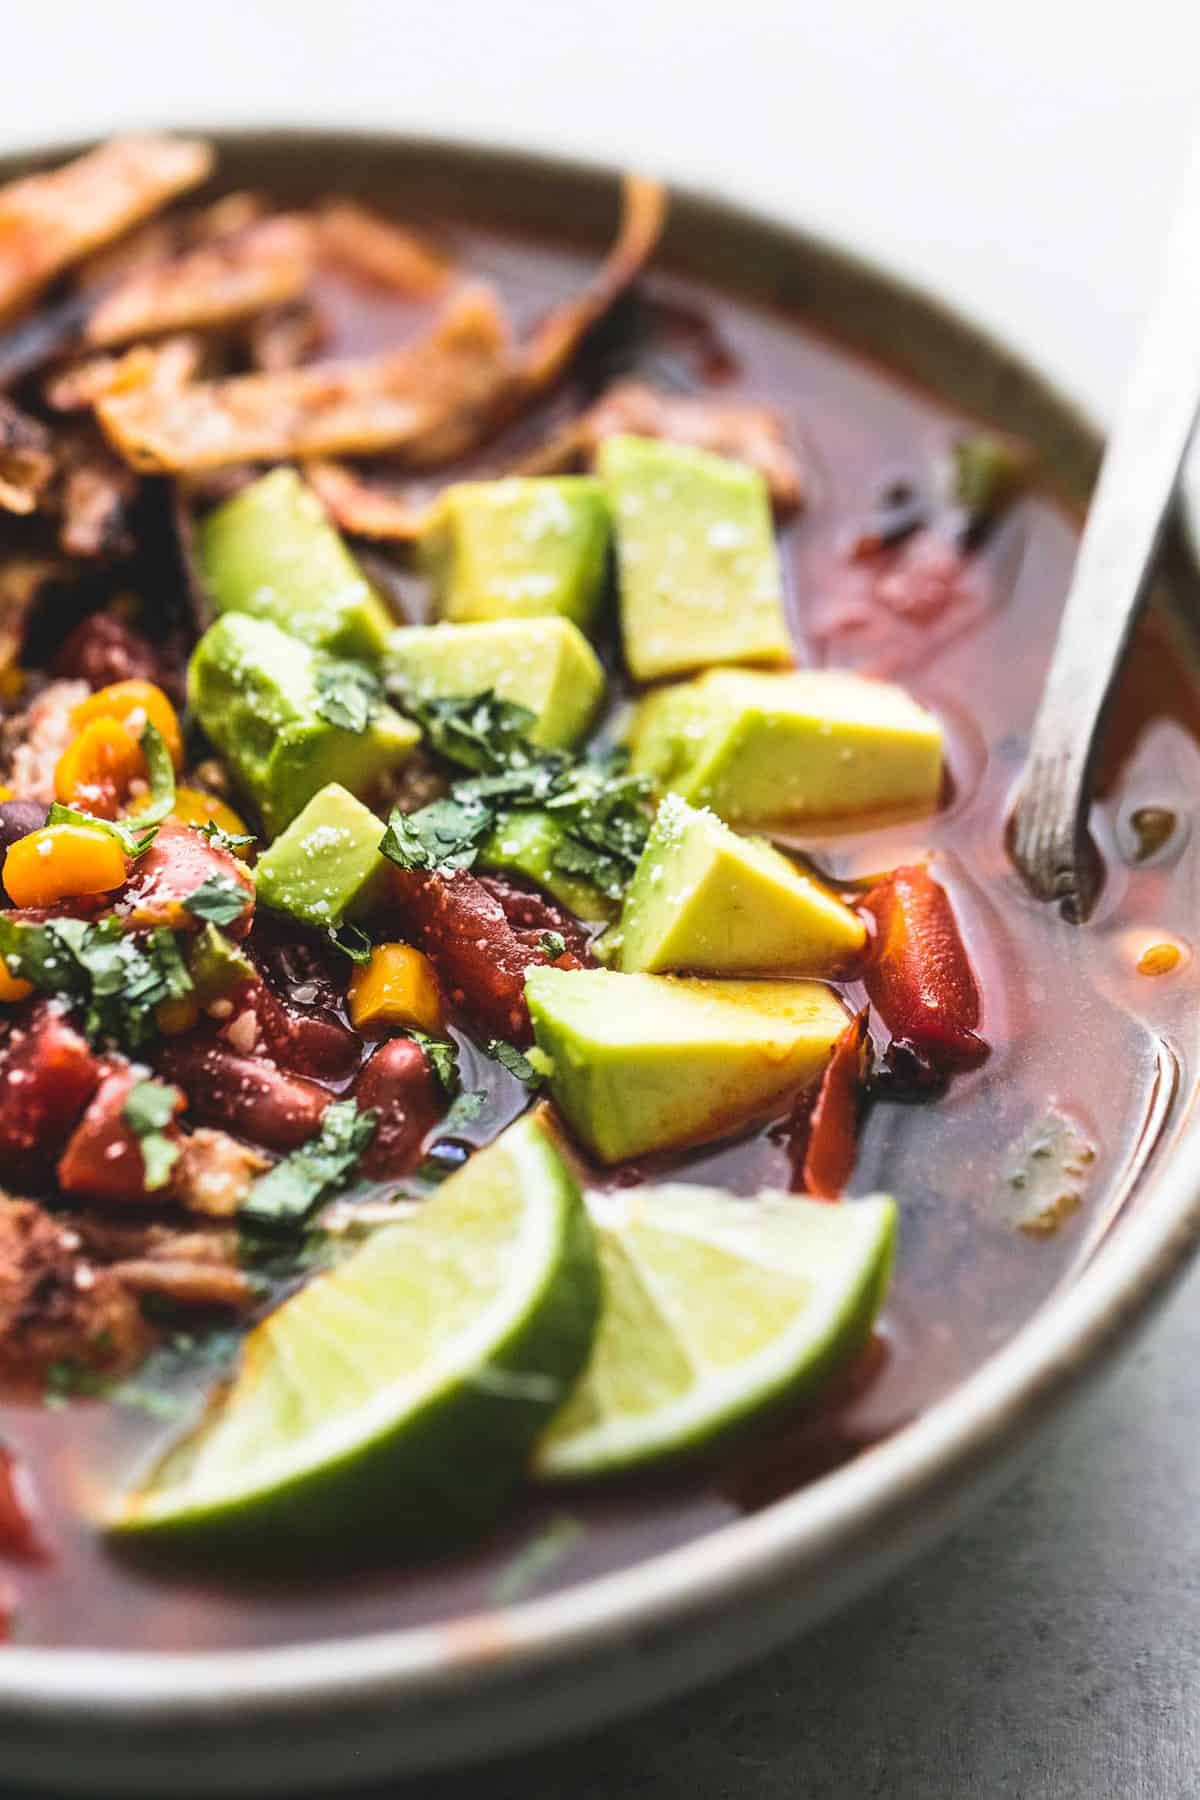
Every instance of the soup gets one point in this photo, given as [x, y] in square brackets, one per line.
[205, 1150]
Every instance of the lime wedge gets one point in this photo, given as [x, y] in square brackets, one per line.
[714, 1307]
[398, 1395]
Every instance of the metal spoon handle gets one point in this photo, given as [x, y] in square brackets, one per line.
[1116, 557]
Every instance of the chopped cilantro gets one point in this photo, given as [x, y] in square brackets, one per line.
[553, 944]
[476, 731]
[348, 694]
[468, 1106]
[134, 839]
[515, 1061]
[149, 1108]
[135, 835]
[443, 1058]
[352, 941]
[219, 900]
[443, 835]
[314, 1172]
[114, 978]
[233, 841]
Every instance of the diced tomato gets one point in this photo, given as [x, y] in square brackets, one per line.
[103, 649]
[20, 1528]
[531, 914]
[177, 863]
[920, 978]
[103, 1159]
[480, 959]
[399, 1083]
[831, 1140]
[244, 1094]
[306, 1040]
[47, 1076]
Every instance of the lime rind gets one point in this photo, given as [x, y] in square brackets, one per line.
[428, 1452]
[687, 1385]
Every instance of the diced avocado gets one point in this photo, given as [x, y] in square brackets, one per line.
[272, 552]
[523, 843]
[525, 547]
[544, 664]
[650, 1062]
[217, 966]
[811, 744]
[706, 900]
[255, 691]
[697, 566]
[326, 867]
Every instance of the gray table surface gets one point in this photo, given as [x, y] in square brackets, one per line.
[1050, 1649]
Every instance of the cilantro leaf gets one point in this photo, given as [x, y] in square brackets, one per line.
[149, 1108]
[553, 944]
[218, 900]
[221, 839]
[468, 1106]
[314, 1172]
[134, 839]
[443, 835]
[349, 694]
[160, 774]
[476, 731]
[112, 978]
[443, 1059]
[352, 941]
[515, 1061]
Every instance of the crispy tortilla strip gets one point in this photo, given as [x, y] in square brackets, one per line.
[644, 212]
[26, 459]
[50, 221]
[364, 508]
[161, 366]
[737, 429]
[287, 336]
[369, 245]
[214, 284]
[429, 400]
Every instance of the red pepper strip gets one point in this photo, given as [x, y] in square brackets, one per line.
[480, 959]
[919, 978]
[177, 863]
[833, 1122]
[20, 1529]
[47, 1076]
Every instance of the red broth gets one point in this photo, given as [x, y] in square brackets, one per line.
[1070, 1020]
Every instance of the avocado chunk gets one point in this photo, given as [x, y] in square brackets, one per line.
[811, 744]
[706, 900]
[272, 552]
[326, 867]
[257, 693]
[546, 665]
[697, 567]
[523, 844]
[525, 547]
[651, 1062]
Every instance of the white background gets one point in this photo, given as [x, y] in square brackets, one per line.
[1018, 154]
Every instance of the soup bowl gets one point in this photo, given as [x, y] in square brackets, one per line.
[335, 1707]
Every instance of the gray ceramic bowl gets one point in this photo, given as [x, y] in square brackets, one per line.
[336, 1712]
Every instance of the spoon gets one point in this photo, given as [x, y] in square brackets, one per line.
[1117, 553]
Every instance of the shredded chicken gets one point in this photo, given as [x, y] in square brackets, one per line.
[188, 1283]
[191, 1268]
[26, 459]
[214, 1173]
[376, 248]
[747, 433]
[427, 400]
[160, 366]
[36, 738]
[51, 220]
[213, 284]
[56, 1305]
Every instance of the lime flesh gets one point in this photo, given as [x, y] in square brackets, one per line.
[715, 1307]
[397, 1396]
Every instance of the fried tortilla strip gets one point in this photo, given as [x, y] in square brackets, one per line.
[367, 509]
[160, 366]
[285, 337]
[747, 433]
[644, 212]
[26, 459]
[367, 244]
[214, 284]
[429, 400]
[49, 221]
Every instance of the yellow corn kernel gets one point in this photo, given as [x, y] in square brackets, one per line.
[135, 704]
[397, 988]
[62, 862]
[12, 988]
[6, 793]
